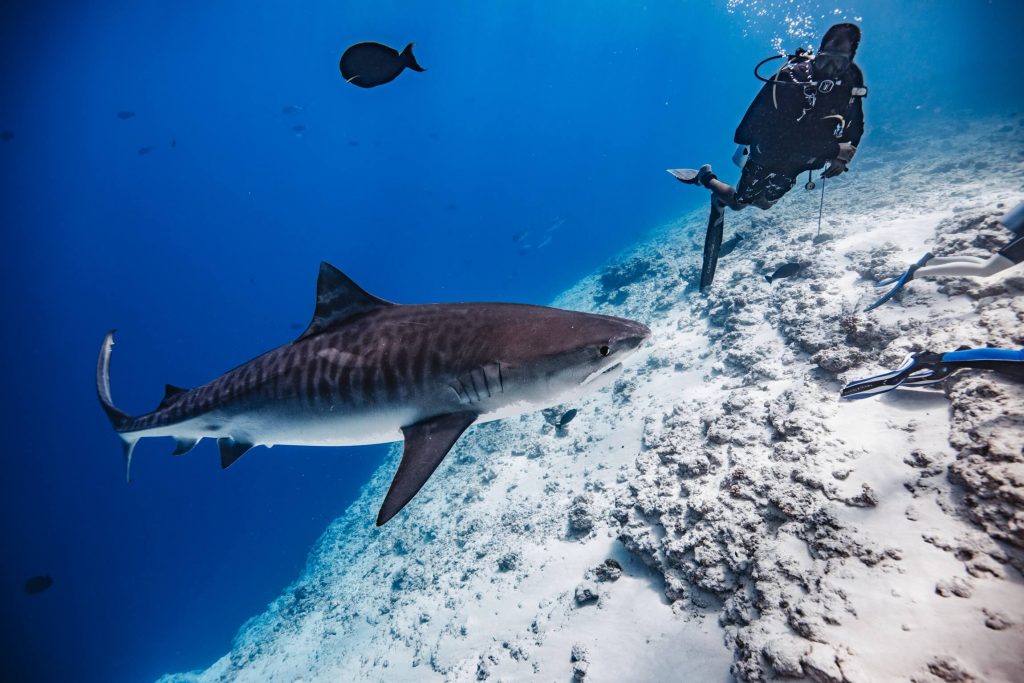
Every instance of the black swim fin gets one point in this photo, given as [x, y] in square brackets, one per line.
[712, 242]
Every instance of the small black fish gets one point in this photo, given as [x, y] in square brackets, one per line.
[729, 245]
[298, 128]
[520, 235]
[783, 271]
[125, 115]
[371, 64]
[567, 417]
[6, 135]
[145, 150]
[353, 143]
[37, 584]
[290, 109]
[174, 142]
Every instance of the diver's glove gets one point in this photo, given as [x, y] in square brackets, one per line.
[917, 370]
[899, 281]
[842, 160]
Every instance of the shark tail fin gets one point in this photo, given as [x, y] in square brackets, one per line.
[118, 419]
[410, 59]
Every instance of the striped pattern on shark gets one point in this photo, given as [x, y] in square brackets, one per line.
[370, 371]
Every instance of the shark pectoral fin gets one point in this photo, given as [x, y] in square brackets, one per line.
[231, 450]
[183, 446]
[426, 444]
[337, 299]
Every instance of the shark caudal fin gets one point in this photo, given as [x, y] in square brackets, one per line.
[118, 419]
[410, 59]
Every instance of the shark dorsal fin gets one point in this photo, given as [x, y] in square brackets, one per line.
[171, 394]
[338, 298]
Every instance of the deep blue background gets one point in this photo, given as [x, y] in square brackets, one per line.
[205, 254]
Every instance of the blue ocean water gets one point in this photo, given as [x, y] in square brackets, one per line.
[529, 153]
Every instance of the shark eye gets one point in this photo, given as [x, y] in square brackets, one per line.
[605, 350]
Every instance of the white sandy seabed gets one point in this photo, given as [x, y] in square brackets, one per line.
[764, 529]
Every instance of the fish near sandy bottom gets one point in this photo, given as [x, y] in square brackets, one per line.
[730, 245]
[371, 64]
[370, 371]
[783, 271]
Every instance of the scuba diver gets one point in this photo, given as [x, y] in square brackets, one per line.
[969, 266]
[926, 368]
[808, 115]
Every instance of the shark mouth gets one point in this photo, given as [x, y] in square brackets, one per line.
[602, 376]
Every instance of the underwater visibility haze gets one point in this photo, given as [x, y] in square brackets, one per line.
[179, 171]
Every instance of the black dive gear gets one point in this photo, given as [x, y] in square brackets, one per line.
[802, 55]
[712, 242]
[1013, 220]
[793, 129]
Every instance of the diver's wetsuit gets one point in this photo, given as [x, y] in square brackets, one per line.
[1014, 251]
[795, 128]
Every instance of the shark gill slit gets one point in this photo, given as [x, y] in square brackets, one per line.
[487, 385]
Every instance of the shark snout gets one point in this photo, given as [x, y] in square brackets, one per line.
[630, 335]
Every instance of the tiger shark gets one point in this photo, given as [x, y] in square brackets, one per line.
[370, 371]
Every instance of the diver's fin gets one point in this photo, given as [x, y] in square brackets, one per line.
[410, 58]
[899, 281]
[887, 381]
[171, 394]
[683, 175]
[338, 298]
[231, 450]
[712, 242]
[426, 444]
[183, 446]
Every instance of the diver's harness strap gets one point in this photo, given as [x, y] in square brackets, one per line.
[811, 88]
[802, 55]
